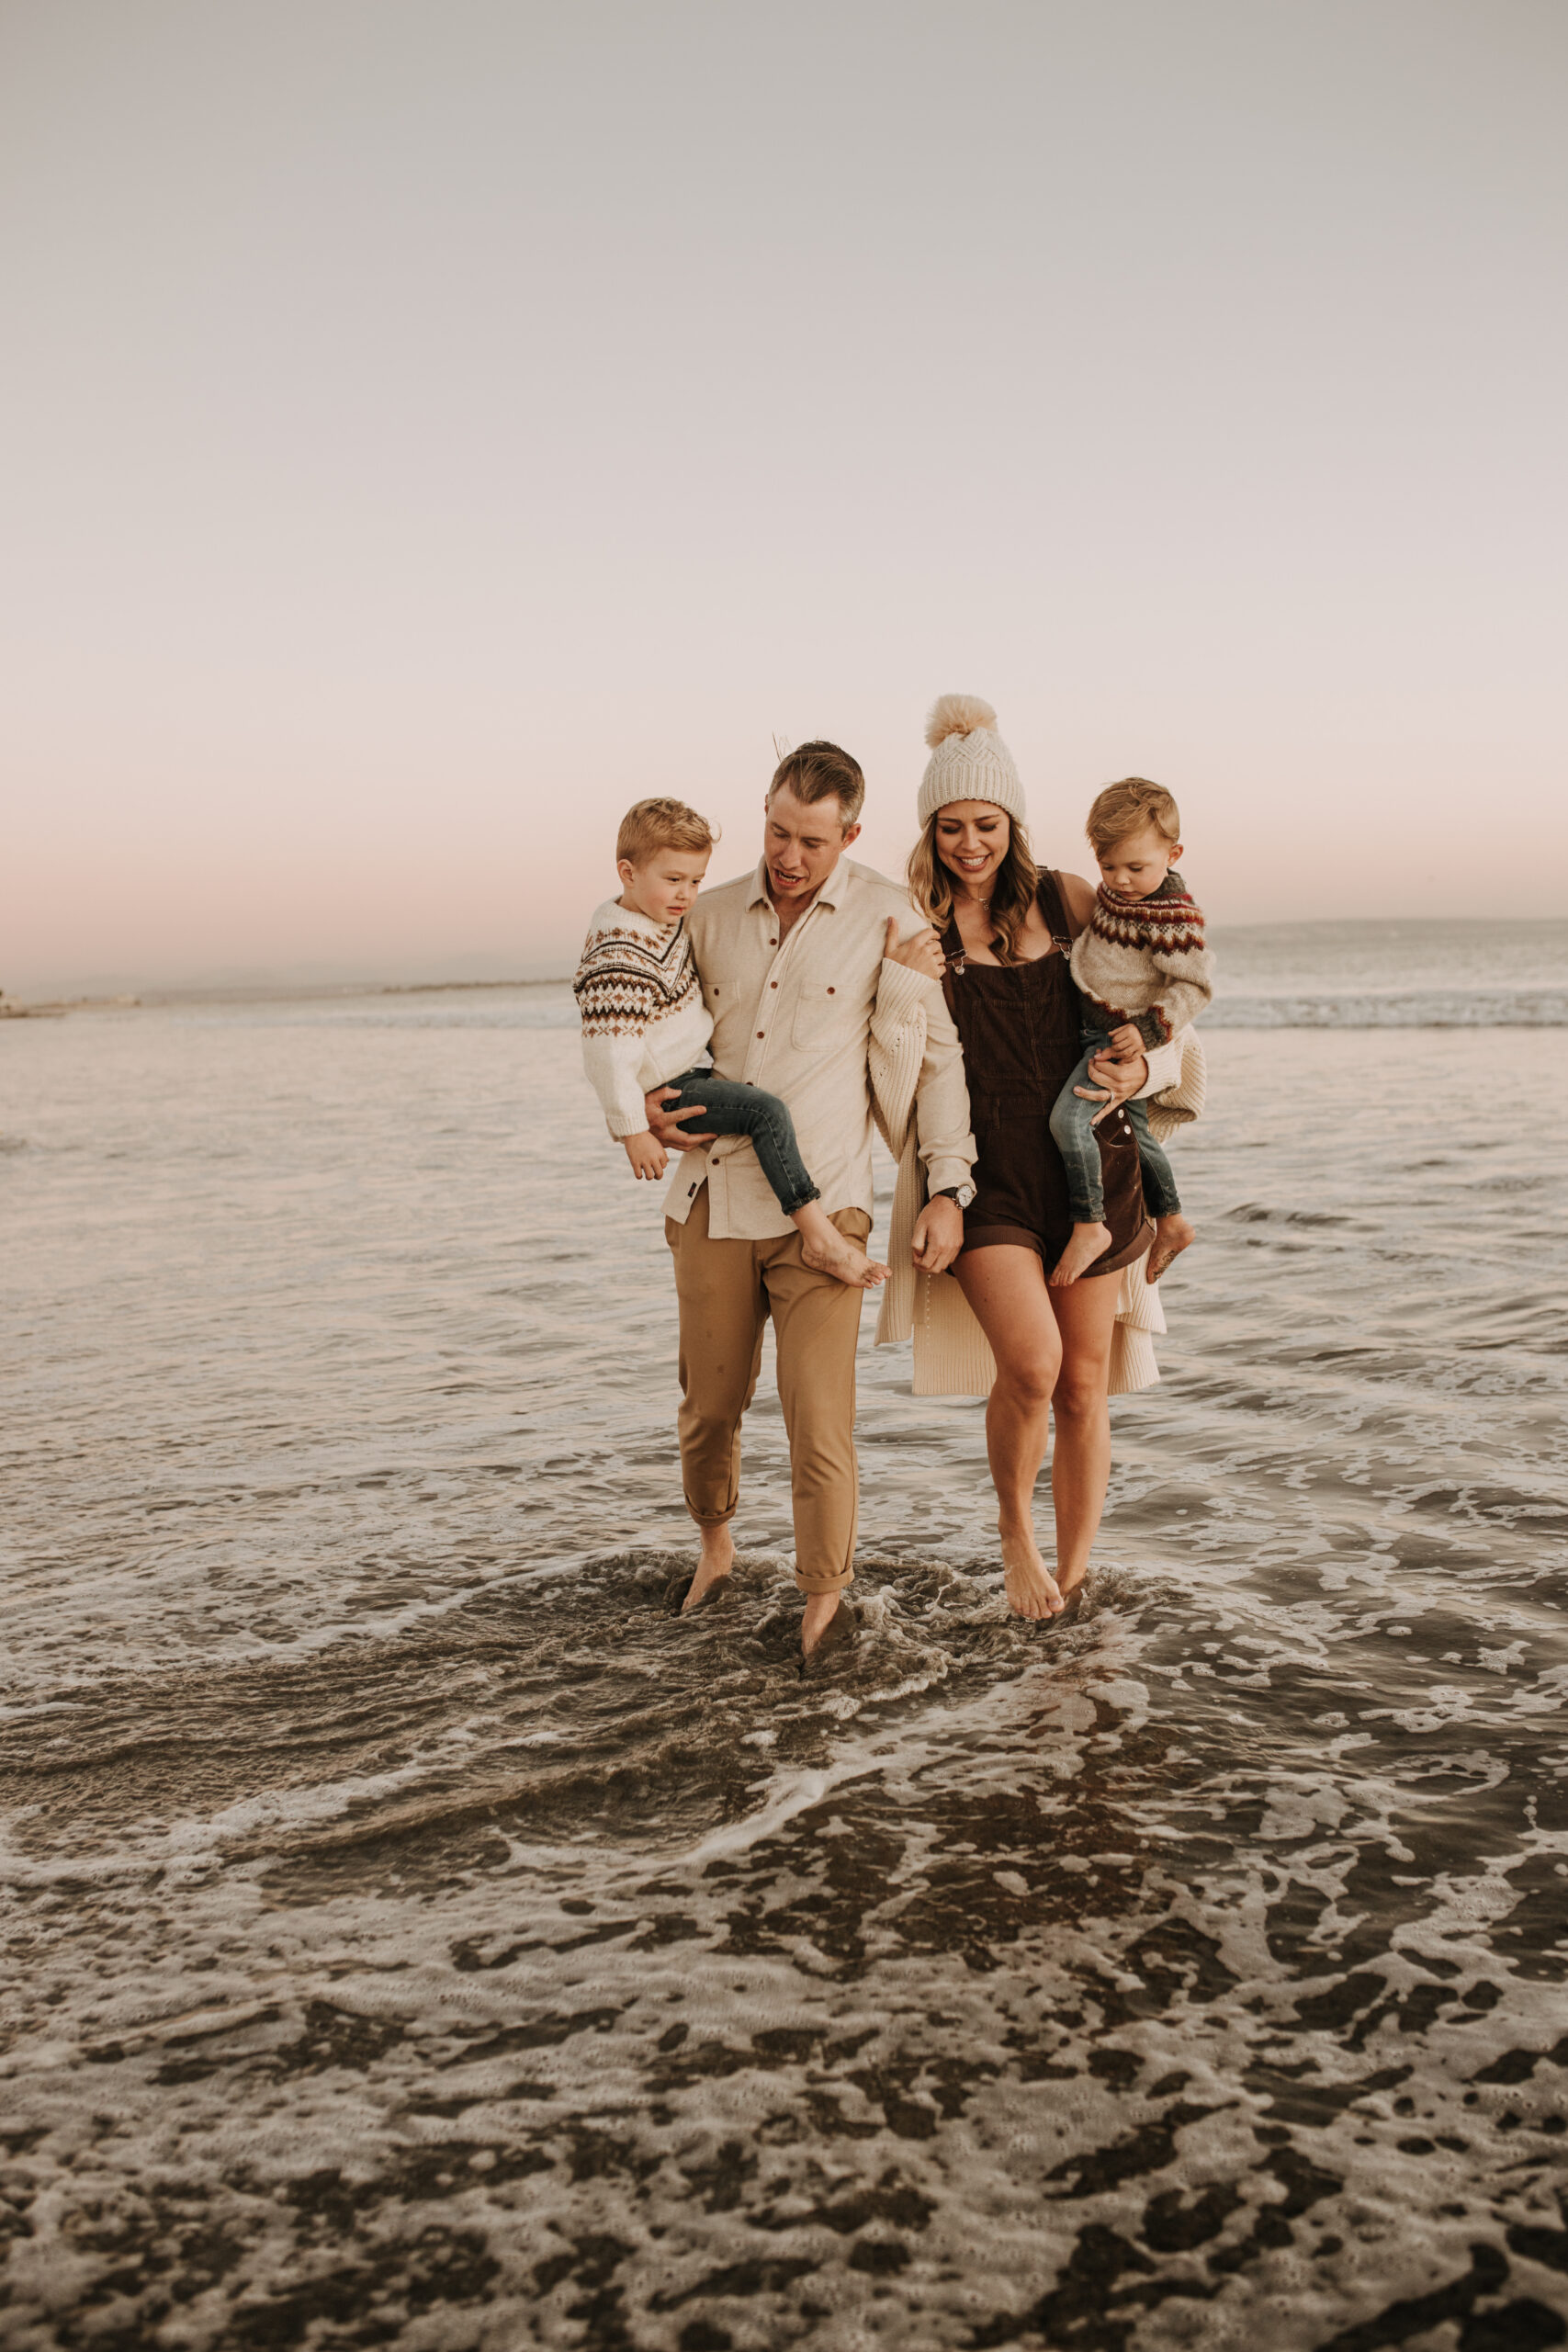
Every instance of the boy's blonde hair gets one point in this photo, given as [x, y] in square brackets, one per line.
[661, 824]
[1126, 807]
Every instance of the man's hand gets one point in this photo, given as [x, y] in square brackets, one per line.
[648, 1158]
[939, 1234]
[920, 953]
[666, 1125]
[1115, 1077]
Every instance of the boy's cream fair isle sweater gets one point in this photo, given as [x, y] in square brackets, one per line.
[643, 1020]
[1143, 960]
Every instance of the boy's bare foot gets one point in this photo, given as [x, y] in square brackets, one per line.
[1172, 1235]
[824, 1249]
[717, 1559]
[1031, 1588]
[1084, 1246]
[846, 1264]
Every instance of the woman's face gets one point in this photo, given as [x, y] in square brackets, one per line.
[972, 838]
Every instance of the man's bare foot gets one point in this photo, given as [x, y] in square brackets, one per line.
[1084, 1246]
[821, 1608]
[1172, 1235]
[1031, 1588]
[717, 1559]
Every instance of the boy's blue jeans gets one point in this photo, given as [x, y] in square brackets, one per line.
[734, 1109]
[1074, 1135]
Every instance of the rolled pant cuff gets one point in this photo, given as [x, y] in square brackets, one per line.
[811, 1586]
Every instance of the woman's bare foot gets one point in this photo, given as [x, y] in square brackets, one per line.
[1031, 1588]
[1172, 1235]
[824, 1249]
[1085, 1245]
[717, 1559]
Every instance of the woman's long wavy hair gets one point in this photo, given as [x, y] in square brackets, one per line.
[1018, 877]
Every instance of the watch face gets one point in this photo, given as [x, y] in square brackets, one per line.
[963, 1195]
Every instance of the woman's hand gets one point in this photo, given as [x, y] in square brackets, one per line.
[1114, 1078]
[939, 1235]
[922, 953]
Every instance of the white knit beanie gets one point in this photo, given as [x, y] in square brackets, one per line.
[969, 761]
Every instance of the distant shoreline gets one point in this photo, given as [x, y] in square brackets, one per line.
[259, 992]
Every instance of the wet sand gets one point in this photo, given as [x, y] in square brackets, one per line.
[415, 1938]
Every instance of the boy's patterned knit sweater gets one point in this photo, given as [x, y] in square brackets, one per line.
[643, 1016]
[1143, 960]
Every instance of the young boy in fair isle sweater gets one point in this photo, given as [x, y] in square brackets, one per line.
[1143, 973]
[644, 1026]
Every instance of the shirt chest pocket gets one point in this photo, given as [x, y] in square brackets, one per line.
[824, 1011]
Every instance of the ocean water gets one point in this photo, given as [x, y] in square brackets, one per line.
[412, 1936]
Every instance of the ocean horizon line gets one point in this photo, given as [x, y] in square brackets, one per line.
[1338, 971]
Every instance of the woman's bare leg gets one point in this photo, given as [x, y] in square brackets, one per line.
[1006, 1288]
[1080, 1464]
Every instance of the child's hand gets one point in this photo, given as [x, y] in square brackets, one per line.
[1126, 1039]
[647, 1159]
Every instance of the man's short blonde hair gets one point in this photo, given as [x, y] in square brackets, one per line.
[654, 825]
[1126, 807]
[820, 771]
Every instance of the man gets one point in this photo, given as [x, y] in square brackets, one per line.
[797, 959]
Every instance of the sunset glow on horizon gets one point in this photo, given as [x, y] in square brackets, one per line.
[435, 429]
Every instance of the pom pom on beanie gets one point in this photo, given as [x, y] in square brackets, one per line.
[969, 761]
[957, 715]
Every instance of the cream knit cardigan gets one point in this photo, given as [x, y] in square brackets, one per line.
[953, 1357]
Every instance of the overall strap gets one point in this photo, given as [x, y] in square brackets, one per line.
[952, 963]
[1053, 906]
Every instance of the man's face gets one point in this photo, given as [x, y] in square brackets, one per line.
[802, 842]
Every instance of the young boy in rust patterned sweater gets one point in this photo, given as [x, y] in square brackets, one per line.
[1144, 973]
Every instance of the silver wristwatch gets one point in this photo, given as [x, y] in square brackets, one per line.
[961, 1193]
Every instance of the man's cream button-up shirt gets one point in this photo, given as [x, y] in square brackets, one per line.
[792, 1014]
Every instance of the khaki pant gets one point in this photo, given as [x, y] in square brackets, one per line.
[726, 1292]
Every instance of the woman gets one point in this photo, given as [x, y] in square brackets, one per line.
[1004, 930]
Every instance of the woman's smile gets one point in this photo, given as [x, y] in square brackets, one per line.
[972, 838]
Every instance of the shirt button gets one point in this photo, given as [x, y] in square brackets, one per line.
[832, 991]
[759, 1036]
[773, 984]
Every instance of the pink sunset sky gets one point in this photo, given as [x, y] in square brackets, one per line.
[431, 428]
